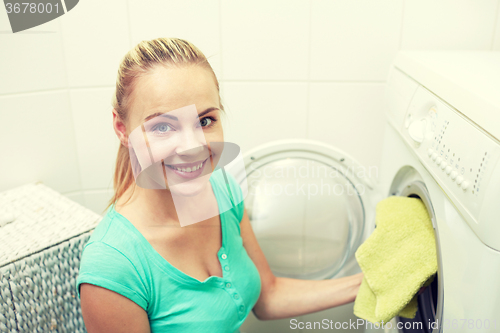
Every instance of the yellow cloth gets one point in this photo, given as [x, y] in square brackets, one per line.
[397, 259]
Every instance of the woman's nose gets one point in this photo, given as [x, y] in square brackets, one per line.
[192, 142]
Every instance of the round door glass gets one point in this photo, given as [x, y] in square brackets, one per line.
[306, 216]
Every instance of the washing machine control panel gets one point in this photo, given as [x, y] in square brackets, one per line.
[459, 154]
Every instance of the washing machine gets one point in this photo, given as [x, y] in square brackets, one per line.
[311, 205]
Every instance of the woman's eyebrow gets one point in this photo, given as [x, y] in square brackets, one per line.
[175, 118]
[207, 111]
[159, 114]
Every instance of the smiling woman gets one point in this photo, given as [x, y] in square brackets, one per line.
[175, 251]
[140, 271]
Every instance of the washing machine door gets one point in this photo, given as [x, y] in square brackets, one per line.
[310, 206]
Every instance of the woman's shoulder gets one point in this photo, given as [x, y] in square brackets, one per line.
[106, 266]
[108, 229]
[112, 259]
[102, 227]
[111, 233]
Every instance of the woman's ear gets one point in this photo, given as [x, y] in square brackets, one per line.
[120, 128]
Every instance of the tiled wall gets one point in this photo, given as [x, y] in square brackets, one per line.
[288, 69]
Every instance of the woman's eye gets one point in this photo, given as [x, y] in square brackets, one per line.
[205, 122]
[162, 128]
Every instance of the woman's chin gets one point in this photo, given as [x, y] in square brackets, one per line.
[190, 188]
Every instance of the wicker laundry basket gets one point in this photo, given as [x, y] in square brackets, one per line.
[42, 234]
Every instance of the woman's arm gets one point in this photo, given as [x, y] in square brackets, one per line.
[286, 297]
[105, 311]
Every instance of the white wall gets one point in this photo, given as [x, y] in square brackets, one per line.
[288, 69]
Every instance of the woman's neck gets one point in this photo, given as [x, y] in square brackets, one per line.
[162, 208]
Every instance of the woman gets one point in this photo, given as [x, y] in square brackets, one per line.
[141, 271]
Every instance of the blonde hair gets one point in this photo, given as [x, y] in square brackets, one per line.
[137, 62]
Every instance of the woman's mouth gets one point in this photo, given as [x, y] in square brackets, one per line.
[188, 170]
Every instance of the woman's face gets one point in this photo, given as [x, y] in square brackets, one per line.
[174, 115]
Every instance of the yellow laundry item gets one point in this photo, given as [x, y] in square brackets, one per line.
[397, 259]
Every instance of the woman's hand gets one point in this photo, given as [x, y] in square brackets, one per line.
[294, 297]
[285, 297]
[359, 278]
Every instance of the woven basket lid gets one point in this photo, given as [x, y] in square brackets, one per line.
[34, 217]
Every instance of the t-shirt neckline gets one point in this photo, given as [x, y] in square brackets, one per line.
[163, 263]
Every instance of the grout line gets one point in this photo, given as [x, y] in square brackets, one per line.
[308, 111]
[70, 106]
[77, 155]
[91, 190]
[495, 24]
[308, 89]
[226, 115]
[99, 190]
[221, 62]
[34, 92]
[305, 81]
[110, 183]
[65, 64]
[83, 88]
[401, 26]
[129, 26]
[92, 87]
[71, 192]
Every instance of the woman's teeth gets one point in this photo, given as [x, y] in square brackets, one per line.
[187, 169]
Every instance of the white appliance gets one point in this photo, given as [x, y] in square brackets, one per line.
[441, 145]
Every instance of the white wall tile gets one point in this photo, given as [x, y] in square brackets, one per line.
[76, 197]
[448, 24]
[37, 141]
[96, 140]
[260, 112]
[349, 117]
[496, 36]
[96, 37]
[30, 60]
[265, 40]
[4, 22]
[353, 40]
[196, 21]
[97, 201]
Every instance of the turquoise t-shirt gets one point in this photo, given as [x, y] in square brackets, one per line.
[119, 258]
